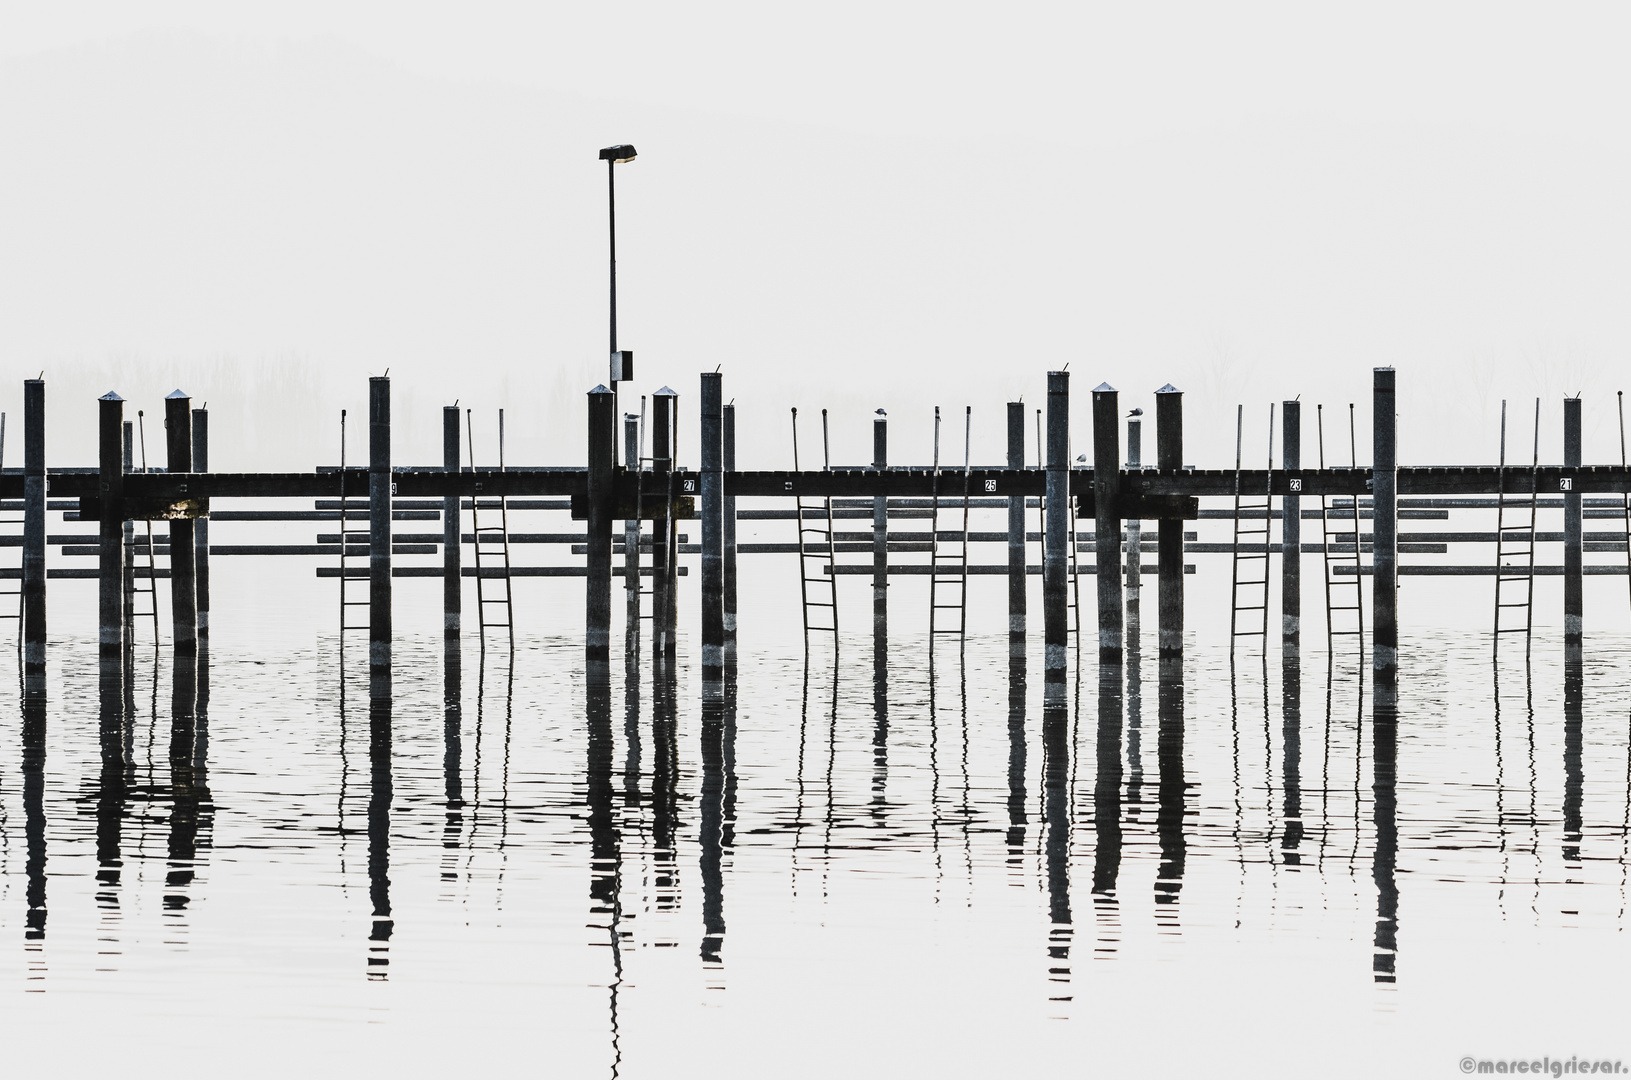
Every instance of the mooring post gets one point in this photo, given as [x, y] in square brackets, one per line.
[1169, 458]
[728, 532]
[33, 537]
[201, 540]
[452, 544]
[1107, 524]
[178, 447]
[111, 561]
[1385, 550]
[379, 535]
[127, 583]
[602, 495]
[1291, 534]
[631, 542]
[1573, 594]
[663, 404]
[1135, 537]
[880, 537]
[1054, 555]
[713, 545]
[1016, 538]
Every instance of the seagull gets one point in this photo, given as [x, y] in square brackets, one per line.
[1136, 412]
[1081, 457]
[880, 412]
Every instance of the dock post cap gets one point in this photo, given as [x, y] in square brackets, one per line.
[1104, 388]
[110, 396]
[665, 392]
[1169, 389]
[600, 388]
[182, 394]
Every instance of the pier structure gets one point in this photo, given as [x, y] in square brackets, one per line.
[1115, 495]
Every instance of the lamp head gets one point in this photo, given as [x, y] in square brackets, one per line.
[620, 153]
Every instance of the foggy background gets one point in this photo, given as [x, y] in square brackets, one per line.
[848, 206]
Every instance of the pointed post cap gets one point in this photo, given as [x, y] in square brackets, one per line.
[1169, 389]
[110, 396]
[1104, 388]
[600, 388]
[665, 392]
[182, 394]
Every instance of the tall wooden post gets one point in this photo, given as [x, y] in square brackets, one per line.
[1169, 458]
[1573, 593]
[728, 532]
[379, 536]
[1291, 534]
[201, 541]
[631, 547]
[111, 560]
[178, 445]
[127, 583]
[713, 547]
[1385, 503]
[1135, 542]
[1016, 538]
[602, 495]
[1055, 538]
[663, 413]
[880, 539]
[1107, 526]
[34, 537]
[452, 545]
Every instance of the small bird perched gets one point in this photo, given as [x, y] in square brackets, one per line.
[1081, 457]
[1136, 412]
[880, 412]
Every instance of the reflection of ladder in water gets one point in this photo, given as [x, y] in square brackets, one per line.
[1515, 545]
[1344, 592]
[816, 548]
[1244, 564]
[1073, 614]
[948, 561]
[10, 586]
[147, 586]
[351, 585]
[493, 541]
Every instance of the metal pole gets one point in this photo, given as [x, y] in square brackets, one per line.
[111, 562]
[178, 446]
[452, 543]
[1054, 626]
[713, 547]
[1107, 524]
[1573, 598]
[1016, 538]
[1169, 458]
[34, 485]
[1385, 552]
[1291, 533]
[201, 538]
[379, 536]
[602, 498]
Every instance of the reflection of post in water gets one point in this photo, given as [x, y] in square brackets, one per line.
[716, 811]
[880, 733]
[1574, 780]
[452, 758]
[605, 853]
[190, 808]
[665, 799]
[1135, 718]
[1291, 717]
[379, 834]
[832, 760]
[34, 829]
[1056, 814]
[1169, 820]
[1107, 811]
[110, 813]
[1384, 866]
[1016, 761]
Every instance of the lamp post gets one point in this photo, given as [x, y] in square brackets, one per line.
[622, 361]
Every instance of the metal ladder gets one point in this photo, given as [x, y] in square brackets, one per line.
[1335, 544]
[151, 588]
[495, 541]
[1626, 509]
[1515, 544]
[948, 569]
[1073, 609]
[816, 545]
[349, 585]
[9, 586]
[1255, 587]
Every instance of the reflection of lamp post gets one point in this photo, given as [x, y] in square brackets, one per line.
[622, 366]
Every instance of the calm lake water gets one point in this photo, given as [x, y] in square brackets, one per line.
[909, 869]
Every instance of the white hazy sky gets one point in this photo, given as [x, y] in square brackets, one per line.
[845, 205]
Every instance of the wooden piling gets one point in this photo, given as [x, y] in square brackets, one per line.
[178, 445]
[1054, 555]
[1016, 537]
[1573, 593]
[1169, 459]
[1291, 534]
[602, 480]
[1385, 551]
[728, 534]
[452, 545]
[201, 541]
[111, 561]
[631, 546]
[713, 548]
[127, 582]
[1107, 526]
[1135, 543]
[34, 537]
[663, 405]
[880, 539]
[379, 536]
